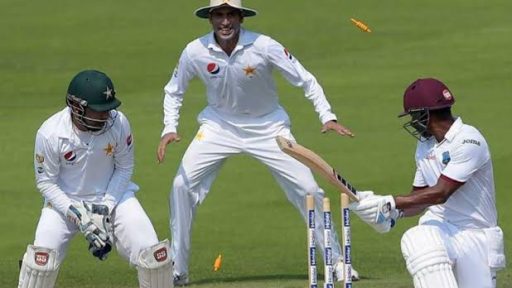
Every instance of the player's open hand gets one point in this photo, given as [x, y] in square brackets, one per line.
[336, 127]
[164, 141]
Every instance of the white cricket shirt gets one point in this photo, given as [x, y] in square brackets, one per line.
[240, 85]
[73, 164]
[463, 156]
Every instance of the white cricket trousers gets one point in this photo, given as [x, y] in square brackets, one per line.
[133, 230]
[216, 140]
[475, 253]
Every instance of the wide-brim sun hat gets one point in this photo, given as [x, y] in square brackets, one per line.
[204, 12]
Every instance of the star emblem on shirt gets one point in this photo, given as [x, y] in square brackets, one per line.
[199, 135]
[108, 93]
[109, 150]
[249, 71]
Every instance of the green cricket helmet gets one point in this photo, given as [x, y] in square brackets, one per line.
[92, 90]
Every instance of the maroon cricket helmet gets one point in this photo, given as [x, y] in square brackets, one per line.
[426, 94]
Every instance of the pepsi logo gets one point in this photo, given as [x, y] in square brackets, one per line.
[213, 68]
[70, 156]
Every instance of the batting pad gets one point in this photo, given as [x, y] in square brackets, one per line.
[39, 269]
[427, 259]
[154, 267]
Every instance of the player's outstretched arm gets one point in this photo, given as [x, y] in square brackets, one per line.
[336, 127]
[164, 141]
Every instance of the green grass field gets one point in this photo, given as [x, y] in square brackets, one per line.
[44, 43]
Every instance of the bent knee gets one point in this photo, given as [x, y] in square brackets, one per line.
[422, 247]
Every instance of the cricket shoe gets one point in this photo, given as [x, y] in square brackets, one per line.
[339, 274]
[180, 280]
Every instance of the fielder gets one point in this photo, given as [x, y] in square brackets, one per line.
[83, 165]
[243, 116]
[457, 242]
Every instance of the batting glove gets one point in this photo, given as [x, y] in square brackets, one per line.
[378, 211]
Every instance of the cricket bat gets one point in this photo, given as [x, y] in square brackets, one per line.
[317, 164]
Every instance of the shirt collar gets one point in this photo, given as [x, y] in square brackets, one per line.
[454, 129]
[244, 39]
[65, 129]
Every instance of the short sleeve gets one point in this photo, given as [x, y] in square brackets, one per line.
[465, 159]
[419, 181]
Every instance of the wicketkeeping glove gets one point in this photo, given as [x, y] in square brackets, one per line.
[100, 216]
[98, 238]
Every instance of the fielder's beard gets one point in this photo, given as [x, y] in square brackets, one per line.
[226, 34]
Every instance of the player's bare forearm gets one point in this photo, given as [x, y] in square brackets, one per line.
[409, 212]
[421, 199]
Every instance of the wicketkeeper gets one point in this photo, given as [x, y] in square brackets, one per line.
[83, 165]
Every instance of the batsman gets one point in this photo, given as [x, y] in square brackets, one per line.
[457, 242]
[83, 165]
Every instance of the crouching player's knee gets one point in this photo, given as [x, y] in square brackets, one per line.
[426, 258]
[39, 269]
[154, 266]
